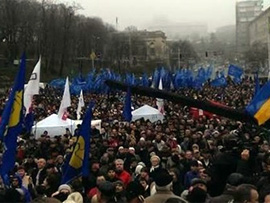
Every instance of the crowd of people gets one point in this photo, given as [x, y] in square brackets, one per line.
[180, 159]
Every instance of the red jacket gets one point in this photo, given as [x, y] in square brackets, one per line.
[125, 177]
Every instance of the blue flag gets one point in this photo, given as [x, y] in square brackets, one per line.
[127, 107]
[11, 124]
[235, 71]
[219, 82]
[29, 122]
[77, 163]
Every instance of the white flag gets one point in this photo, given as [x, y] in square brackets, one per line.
[65, 103]
[32, 87]
[160, 102]
[80, 105]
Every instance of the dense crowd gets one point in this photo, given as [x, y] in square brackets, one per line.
[182, 159]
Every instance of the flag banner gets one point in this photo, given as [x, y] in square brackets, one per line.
[160, 102]
[11, 123]
[80, 105]
[77, 163]
[127, 107]
[65, 103]
[259, 107]
[235, 71]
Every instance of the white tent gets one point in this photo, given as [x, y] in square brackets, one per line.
[54, 125]
[95, 123]
[147, 112]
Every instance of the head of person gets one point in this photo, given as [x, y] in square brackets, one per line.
[134, 192]
[100, 179]
[199, 183]
[194, 165]
[41, 163]
[21, 171]
[188, 155]
[119, 165]
[144, 173]
[119, 186]
[106, 191]
[155, 160]
[163, 180]
[197, 194]
[111, 172]
[64, 188]
[246, 193]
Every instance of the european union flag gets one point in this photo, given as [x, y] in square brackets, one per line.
[259, 107]
[127, 107]
[219, 82]
[235, 71]
[78, 162]
[11, 124]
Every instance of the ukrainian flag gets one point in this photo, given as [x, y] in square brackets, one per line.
[78, 162]
[11, 123]
[259, 107]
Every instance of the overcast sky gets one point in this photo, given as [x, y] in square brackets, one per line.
[143, 13]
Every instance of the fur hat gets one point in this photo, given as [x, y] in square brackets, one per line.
[74, 197]
[162, 178]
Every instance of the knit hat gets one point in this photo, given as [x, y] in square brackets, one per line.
[154, 156]
[64, 187]
[197, 181]
[139, 168]
[162, 178]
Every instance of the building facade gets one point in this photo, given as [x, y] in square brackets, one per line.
[258, 28]
[246, 12]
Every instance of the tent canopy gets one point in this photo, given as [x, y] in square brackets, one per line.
[148, 113]
[54, 125]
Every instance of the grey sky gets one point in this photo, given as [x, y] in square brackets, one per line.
[141, 13]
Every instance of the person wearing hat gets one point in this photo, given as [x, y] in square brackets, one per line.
[155, 165]
[163, 183]
[119, 191]
[63, 192]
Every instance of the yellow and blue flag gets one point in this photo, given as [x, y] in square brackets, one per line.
[259, 107]
[11, 123]
[77, 163]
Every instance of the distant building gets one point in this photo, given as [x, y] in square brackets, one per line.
[143, 46]
[258, 28]
[184, 31]
[246, 12]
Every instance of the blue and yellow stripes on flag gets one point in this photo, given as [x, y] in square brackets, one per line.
[78, 162]
[259, 107]
[11, 123]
